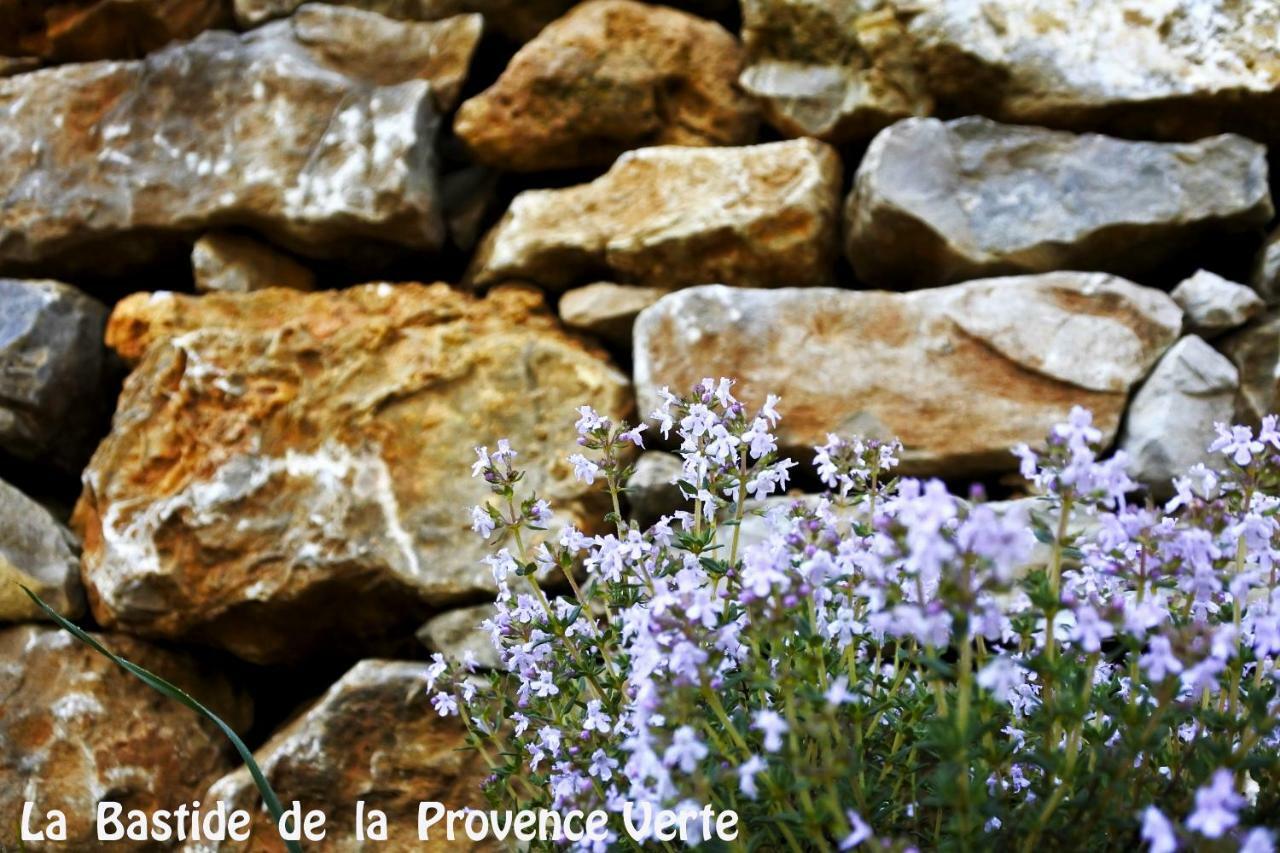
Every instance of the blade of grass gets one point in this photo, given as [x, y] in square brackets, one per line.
[179, 695]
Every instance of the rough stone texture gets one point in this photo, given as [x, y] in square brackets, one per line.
[457, 632]
[85, 30]
[1255, 351]
[1212, 305]
[373, 736]
[937, 202]
[384, 51]
[104, 164]
[52, 371]
[838, 70]
[291, 470]
[761, 215]
[607, 310]
[1170, 422]
[651, 490]
[519, 20]
[609, 76]
[38, 553]
[960, 374]
[75, 729]
[1180, 69]
[235, 263]
[1266, 270]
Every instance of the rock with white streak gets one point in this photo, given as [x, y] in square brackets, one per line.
[39, 553]
[607, 310]
[1170, 421]
[373, 736]
[77, 730]
[1212, 305]
[761, 216]
[220, 131]
[53, 372]
[937, 202]
[838, 70]
[609, 76]
[236, 263]
[290, 471]
[960, 374]
[1165, 69]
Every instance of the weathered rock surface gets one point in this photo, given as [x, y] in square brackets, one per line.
[53, 372]
[457, 633]
[936, 202]
[236, 263]
[651, 490]
[761, 215]
[1266, 270]
[607, 310]
[960, 374]
[838, 70]
[1255, 351]
[11, 65]
[610, 76]
[1170, 421]
[102, 165]
[85, 30]
[291, 470]
[384, 51]
[76, 730]
[374, 737]
[519, 20]
[38, 553]
[1181, 69]
[1212, 305]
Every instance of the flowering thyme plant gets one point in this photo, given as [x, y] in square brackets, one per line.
[889, 666]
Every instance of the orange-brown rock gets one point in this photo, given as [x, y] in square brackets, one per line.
[609, 76]
[75, 730]
[960, 374]
[373, 737]
[84, 30]
[518, 20]
[237, 263]
[292, 470]
[758, 216]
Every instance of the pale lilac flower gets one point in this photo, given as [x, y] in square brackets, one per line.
[772, 726]
[1159, 661]
[1236, 443]
[633, 435]
[1158, 832]
[444, 704]
[1090, 630]
[1216, 806]
[596, 719]
[1002, 677]
[602, 765]
[1258, 840]
[839, 694]
[583, 468]
[747, 772]
[859, 833]
[481, 522]
[686, 750]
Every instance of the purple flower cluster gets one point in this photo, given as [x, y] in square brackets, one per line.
[888, 663]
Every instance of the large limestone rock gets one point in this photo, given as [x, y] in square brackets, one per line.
[105, 164]
[761, 215]
[53, 371]
[1180, 69]
[607, 310]
[75, 730]
[85, 30]
[651, 490]
[519, 20]
[384, 51]
[289, 470]
[610, 76]
[838, 70]
[936, 202]
[457, 634]
[374, 737]
[1255, 351]
[236, 263]
[960, 373]
[1212, 305]
[39, 553]
[1170, 422]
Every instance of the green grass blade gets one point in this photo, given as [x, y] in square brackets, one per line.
[179, 695]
